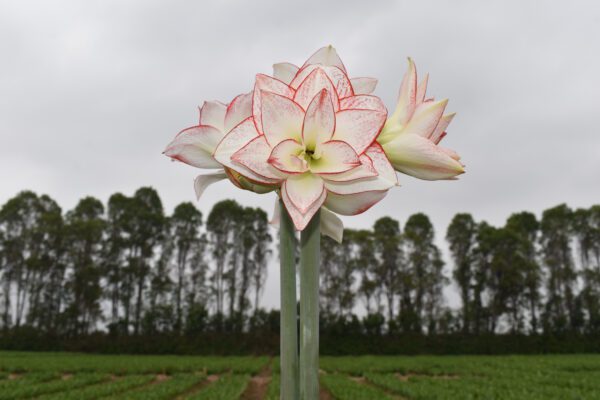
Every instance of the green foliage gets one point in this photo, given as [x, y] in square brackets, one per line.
[26, 389]
[227, 387]
[77, 363]
[129, 278]
[103, 389]
[461, 238]
[344, 387]
[166, 389]
[274, 388]
[499, 378]
[78, 376]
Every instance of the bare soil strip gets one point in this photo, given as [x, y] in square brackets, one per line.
[258, 385]
[324, 394]
[198, 387]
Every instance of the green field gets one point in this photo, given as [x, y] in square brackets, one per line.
[81, 376]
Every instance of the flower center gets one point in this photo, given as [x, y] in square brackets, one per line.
[310, 155]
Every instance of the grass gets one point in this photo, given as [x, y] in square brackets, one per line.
[54, 376]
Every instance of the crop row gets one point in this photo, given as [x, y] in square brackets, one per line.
[26, 388]
[227, 387]
[460, 365]
[119, 385]
[425, 388]
[163, 390]
[123, 364]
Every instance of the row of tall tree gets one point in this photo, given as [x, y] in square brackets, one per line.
[397, 275]
[129, 268]
[530, 274]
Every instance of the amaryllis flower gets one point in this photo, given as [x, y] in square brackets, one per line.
[411, 135]
[195, 145]
[313, 135]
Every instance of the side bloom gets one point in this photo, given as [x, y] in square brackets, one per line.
[411, 136]
[195, 145]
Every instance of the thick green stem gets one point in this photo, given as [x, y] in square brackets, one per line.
[310, 255]
[289, 314]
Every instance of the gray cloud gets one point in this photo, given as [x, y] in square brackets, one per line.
[92, 91]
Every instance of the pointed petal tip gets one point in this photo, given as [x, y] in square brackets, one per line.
[168, 151]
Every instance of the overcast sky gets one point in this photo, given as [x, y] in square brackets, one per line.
[92, 91]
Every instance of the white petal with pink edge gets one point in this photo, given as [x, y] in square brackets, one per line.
[302, 219]
[319, 121]
[310, 87]
[422, 89]
[213, 113]
[385, 179]
[375, 183]
[336, 76]
[353, 204]
[382, 165]
[441, 127]
[335, 157]
[408, 95]
[419, 157]
[285, 157]
[364, 170]
[203, 181]
[266, 83]
[282, 118]
[238, 110]
[340, 80]
[363, 102]
[331, 225]
[195, 145]
[363, 85]
[326, 56]
[285, 72]
[450, 152]
[276, 218]
[426, 117]
[303, 190]
[237, 138]
[358, 128]
[254, 156]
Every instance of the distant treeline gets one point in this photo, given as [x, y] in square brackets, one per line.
[128, 269]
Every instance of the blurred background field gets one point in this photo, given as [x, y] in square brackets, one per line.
[25, 375]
